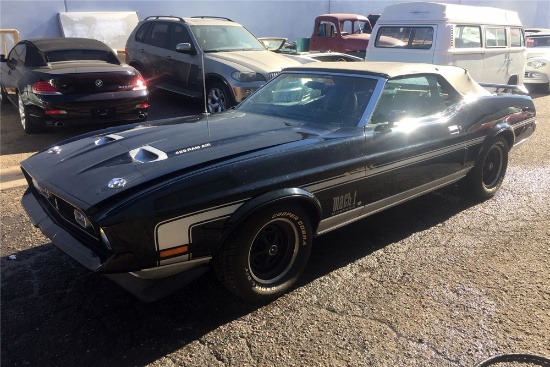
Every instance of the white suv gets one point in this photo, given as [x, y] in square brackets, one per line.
[170, 51]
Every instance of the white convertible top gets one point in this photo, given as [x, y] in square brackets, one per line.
[456, 76]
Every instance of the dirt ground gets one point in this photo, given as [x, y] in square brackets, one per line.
[437, 281]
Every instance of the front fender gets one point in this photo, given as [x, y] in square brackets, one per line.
[306, 198]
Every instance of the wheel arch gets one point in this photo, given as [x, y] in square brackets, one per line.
[213, 78]
[295, 195]
[513, 80]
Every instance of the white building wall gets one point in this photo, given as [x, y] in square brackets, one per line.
[292, 19]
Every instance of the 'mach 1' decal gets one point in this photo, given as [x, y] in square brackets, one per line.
[344, 202]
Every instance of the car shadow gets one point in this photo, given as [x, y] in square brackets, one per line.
[55, 313]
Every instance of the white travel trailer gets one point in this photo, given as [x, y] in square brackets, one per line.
[488, 42]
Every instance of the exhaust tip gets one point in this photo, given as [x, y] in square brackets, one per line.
[59, 124]
[141, 116]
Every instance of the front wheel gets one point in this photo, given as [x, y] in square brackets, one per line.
[266, 255]
[219, 98]
[486, 177]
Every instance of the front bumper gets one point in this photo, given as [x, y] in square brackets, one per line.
[535, 77]
[141, 284]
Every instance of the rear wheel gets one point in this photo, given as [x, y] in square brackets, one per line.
[486, 177]
[266, 255]
[27, 125]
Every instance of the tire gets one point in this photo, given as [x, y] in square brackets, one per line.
[486, 177]
[219, 98]
[4, 96]
[266, 254]
[27, 125]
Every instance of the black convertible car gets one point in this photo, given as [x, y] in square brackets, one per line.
[245, 192]
[68, 81]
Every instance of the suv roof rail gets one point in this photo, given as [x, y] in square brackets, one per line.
[212, 17]
[164, 16]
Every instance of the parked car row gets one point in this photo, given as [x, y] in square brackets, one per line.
[219, 62]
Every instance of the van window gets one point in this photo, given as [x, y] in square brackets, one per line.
[516, 37]
[467, 36]
[495, 37]
[411, 37]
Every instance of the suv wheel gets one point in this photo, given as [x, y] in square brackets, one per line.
[219, 97]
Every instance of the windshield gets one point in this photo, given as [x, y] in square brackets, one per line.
[313, 98]
[538, 41]
[212, 38]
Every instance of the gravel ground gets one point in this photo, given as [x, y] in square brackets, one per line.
[437, 281]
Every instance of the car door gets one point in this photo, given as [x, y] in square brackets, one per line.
[176, 63]
[156, 48]
[413, 146]
[13, 71]
[496, 60]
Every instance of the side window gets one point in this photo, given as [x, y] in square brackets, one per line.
[467, 36]
[326, 29]
[142, 32]
[495, 37]
[159, 35]
[413, 96]
[179, 34]
[405, 37]
[17, 55]
[517, 38]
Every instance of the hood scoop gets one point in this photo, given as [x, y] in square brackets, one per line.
[147, 154]
[108, 138]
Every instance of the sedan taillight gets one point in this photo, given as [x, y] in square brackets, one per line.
[139, 84]
[44, 88]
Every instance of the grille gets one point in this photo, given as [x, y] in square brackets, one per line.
[94, 84]
[65, 210]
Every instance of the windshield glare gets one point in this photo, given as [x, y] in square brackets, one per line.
[225, 38]
[314, 98]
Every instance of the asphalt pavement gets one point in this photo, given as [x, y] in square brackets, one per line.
[437, 281]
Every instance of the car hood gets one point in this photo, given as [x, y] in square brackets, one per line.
[534, 52]
[82, 168]
[259, 61]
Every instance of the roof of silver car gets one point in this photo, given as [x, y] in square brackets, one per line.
[456, 76]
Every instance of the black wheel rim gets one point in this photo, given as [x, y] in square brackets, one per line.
[492, 167]
[273, 251]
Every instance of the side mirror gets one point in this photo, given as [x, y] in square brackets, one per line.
[185, 48]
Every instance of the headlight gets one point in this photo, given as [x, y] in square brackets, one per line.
[81, 218]
[105, 239]
[40, 189]
[244, 76]
[537, 64]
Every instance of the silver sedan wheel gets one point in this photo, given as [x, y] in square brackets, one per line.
[217, 100]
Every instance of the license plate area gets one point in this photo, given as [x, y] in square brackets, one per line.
[103, 113]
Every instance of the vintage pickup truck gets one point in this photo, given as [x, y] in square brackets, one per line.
[347, 33]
